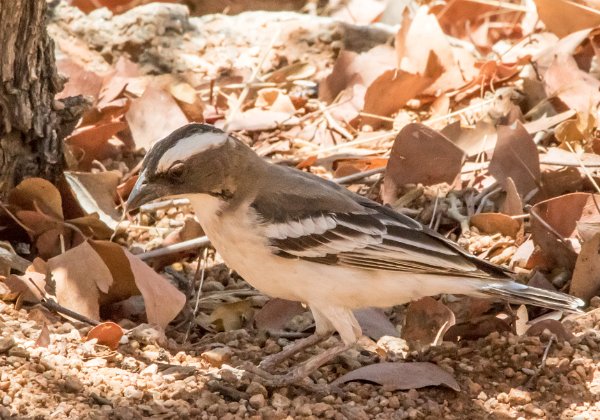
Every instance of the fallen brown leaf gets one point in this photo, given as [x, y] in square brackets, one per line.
[401, 376]
[394, 88]
[576, 88]
[91, 142]
[374, 323]
[586, 275]
[555, 327]
[420, 155]
[566, 16]
[276, 313]
[554, 226]
[95, 193]
[426, 322]
[43, 339]
[141, 117]
[108, 334]
[492, 223]
[77, 285]
[476, 328]
[516, 156]
[80, 81]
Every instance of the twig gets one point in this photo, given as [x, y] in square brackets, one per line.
[349, 179]
[202, 272]
[172, 249]
[52, 305]
[549, 228]
[542, 363]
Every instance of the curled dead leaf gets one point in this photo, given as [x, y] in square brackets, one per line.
[476, 328]
[276, 313]
[401, 376]
[374, 323]
[492, 223]
[555, 327]
[43, 339]
[586, 276]
[516, 156]
[108, 334]
[420, 155]
[426, 322]
[554, 225]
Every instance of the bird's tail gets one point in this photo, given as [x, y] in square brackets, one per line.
[519, 293]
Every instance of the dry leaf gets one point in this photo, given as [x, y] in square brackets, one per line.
[356, 69]
[394, 88]
[560, 216]
[426, 322]
[91, 141]
[555, 327]
[80, 81]
[472, 140]
[231, 316]
[359, 12]
[374, 323]
[22, 284]
[585, 283]
[276, 313]
[401, 376]
[577, 89]
[425, 36]
[420, 155]
[37, 194]
[79, 275]
[145, 127]
[43, 339]
[516, 156]
[521, 321]
[108, 334]
[95, 193]
[259, 119]
[512, 204]
[163, 301]
[492, 223]
[566, 16]
[476, 328]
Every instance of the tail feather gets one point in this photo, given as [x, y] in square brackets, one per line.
[519, 293]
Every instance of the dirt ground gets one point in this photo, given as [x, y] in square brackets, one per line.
[501, 376]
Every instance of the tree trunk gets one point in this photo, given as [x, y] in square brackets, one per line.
[30, 144]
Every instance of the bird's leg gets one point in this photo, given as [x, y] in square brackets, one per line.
[297, 346]
[302, 371]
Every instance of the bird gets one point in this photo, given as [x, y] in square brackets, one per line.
[296, 236]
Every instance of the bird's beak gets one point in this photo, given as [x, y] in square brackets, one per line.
[142, 193]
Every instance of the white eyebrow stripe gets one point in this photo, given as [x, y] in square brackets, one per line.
[188, 147]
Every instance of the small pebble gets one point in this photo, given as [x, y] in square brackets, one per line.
[257, 401]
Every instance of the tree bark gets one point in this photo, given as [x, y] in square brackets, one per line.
[30, 142]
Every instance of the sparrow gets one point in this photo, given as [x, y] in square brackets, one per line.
[296, 236]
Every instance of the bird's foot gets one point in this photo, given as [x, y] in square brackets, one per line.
[299, 375]
[274, 360]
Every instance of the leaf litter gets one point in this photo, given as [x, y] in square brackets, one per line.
[510, 177]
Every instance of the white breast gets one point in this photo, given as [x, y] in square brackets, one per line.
[238, 239]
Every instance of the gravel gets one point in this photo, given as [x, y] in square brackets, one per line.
[501, 376]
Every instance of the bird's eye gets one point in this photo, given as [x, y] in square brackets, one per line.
[176, 171]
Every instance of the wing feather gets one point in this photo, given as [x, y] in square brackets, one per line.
[366, 240]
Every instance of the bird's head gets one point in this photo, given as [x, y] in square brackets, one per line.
[194, 159]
